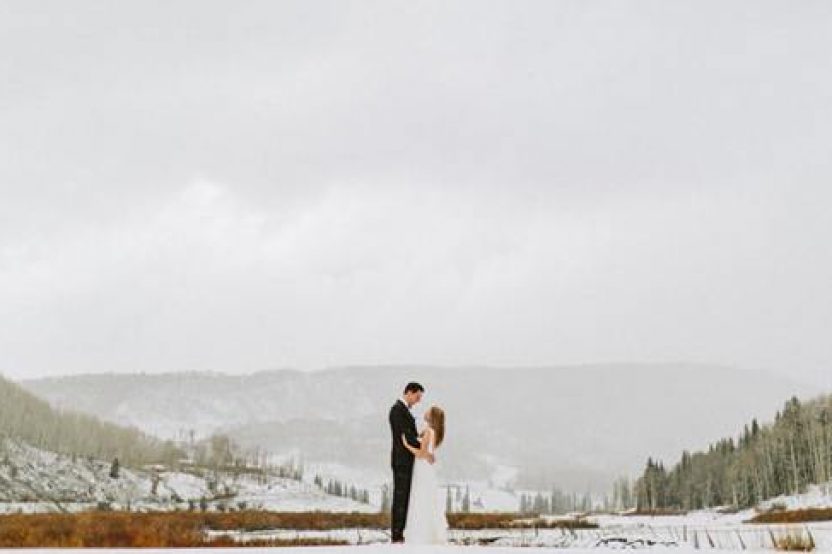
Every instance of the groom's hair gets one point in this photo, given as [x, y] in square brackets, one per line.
[413, 387]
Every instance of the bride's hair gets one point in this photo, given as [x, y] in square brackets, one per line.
[436, 418]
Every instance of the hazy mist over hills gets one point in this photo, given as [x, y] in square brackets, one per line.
[577, 426]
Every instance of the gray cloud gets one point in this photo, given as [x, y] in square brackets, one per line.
[213, 185]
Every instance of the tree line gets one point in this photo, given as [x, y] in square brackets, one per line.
[335, 487]
[557, 502]
[764, 461]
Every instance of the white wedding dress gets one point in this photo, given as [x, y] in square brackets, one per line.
[426, 522]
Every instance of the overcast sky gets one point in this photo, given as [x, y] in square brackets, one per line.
[250, 185]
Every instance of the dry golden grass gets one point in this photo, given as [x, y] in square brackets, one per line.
[794, 516]
[187, 529]
[794, 542]
[310, 521]
[505, 520]
[481, 521]
[152, 530]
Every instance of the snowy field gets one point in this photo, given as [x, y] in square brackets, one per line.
[39, 481]
[655, 536]
[371, 549]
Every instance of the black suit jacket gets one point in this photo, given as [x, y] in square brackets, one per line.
[402, 423]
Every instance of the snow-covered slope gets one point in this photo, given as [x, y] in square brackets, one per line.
[31, 475]
[32, 480]
[817, 496]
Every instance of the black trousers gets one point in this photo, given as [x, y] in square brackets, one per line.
[402, 476]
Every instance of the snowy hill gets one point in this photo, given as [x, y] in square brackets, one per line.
[36, 480]
[543, 424]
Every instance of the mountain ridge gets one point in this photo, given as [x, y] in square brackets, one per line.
[545, 420]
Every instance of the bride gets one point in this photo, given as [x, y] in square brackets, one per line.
[426, 523]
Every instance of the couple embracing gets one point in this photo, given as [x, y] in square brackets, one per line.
[418, 512]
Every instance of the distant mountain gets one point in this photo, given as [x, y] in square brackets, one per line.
[577, 426]
[25, 417]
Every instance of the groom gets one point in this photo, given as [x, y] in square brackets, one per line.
[402, 423]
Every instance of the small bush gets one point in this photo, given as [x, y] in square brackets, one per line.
[795, 542]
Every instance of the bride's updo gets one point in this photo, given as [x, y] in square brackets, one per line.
[436, 419]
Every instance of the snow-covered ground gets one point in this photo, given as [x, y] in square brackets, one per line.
[287, 495]
[370, 549]
[658, 536]
[713, 529]
[34, 480]
[709, 530]
[817, 496]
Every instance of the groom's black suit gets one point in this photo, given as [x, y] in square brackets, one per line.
[401, 459]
